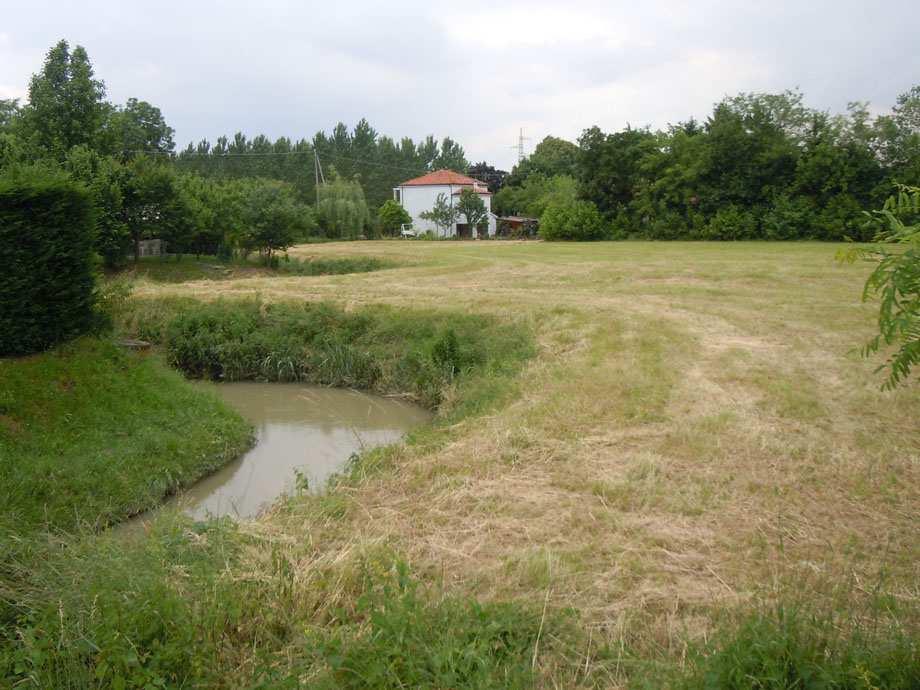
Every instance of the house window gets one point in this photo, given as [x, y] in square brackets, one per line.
[397, 195]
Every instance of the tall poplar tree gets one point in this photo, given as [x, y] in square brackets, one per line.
[66, 102]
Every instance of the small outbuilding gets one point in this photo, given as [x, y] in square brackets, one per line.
[517, 226]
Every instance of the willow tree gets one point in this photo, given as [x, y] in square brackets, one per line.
[341, 208]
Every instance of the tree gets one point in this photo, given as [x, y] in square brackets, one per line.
[443, 214]
[537, 192]
[577, 220]
[103, 177]
[451, 157]
[492, 176]
[140, 127]
[896, 281]
[552, 156]
[392, 216]
[152, 205]
[611, 166]
[471, 206]
[898, 138]
[66, 103]
[274, 219]
[341, 208]
[9, 111]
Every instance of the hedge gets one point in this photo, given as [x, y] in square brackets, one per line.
[46, 260]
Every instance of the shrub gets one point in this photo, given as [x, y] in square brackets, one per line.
[391, 217]
[731, 223]
[667, 225]
[789, 218]
[842, 218]
[46, 258]
[574, 220]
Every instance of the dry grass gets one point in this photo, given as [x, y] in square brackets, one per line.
[694, 432]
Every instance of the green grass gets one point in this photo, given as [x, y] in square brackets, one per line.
[402, 638]
[182, 269]
[790, 647]
[91, 433]
[160, 612]
[687, 415]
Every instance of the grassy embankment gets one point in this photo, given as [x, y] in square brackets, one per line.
[91, 433]
[94, 610]
[694, 448]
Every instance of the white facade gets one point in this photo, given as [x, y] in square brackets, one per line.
[417, 198]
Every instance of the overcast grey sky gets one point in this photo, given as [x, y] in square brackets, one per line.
[476, 71]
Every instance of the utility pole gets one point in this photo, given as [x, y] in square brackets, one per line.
[520, 145]
[318, 172]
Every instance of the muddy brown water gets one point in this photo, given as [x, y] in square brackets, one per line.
[308, 430]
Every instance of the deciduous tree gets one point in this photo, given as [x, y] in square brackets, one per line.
[391, 217]
[471, 206]
[443, 214]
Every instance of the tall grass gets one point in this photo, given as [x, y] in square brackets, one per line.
[180, 269]
[420, 353]
[794, 646]
[327, 266]
[176, 609]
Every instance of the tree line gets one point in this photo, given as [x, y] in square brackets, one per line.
[377, 162]
[761, 166]
[236, 196]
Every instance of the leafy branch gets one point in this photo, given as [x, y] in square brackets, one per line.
[895, 281]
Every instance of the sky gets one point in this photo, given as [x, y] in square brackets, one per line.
[475, 71]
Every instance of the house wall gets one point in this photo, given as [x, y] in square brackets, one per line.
[417, 199]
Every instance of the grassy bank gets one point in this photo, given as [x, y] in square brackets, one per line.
[91, 433]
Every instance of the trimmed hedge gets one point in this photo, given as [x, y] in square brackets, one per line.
[46, 261]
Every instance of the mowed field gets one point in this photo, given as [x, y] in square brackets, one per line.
[695, 435]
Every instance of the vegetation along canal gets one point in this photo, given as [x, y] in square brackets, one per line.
[305, 431]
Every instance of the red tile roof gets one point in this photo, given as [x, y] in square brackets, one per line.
[441, 177]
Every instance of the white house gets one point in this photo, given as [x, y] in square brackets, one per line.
[419, 195]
